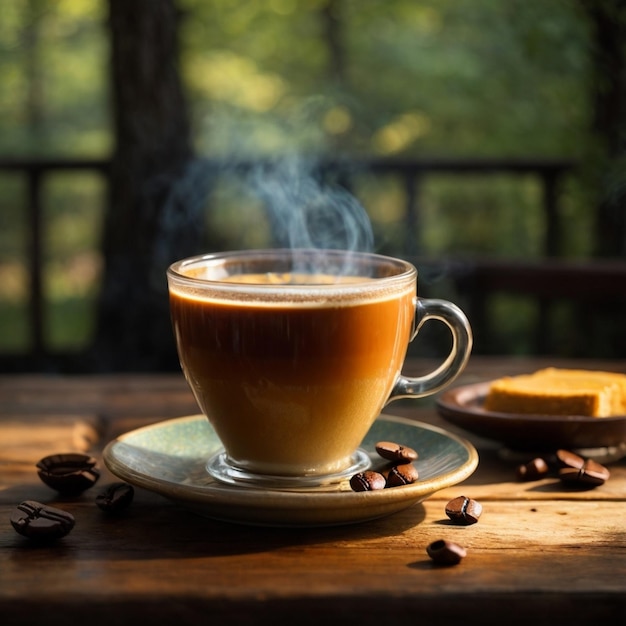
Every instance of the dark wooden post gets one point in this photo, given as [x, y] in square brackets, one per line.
[608, 92]
[149, 222]
[36, 304]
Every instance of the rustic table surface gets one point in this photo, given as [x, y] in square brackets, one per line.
[539, 554]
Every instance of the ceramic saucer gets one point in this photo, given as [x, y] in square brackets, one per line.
[170, 458]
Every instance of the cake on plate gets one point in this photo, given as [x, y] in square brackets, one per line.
[554, 391]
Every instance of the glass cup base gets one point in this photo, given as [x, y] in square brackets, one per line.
[220, 468]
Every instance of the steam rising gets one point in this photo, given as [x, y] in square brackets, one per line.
[304, 212]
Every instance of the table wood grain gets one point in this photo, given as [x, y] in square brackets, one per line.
[539, 554]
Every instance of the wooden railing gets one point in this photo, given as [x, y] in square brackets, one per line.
[594, 290]
[35, 172]
[411, 172]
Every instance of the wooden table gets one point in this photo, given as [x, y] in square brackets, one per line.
[538, 555]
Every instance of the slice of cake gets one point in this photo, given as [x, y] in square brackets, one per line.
[554, 391]
[619, 405]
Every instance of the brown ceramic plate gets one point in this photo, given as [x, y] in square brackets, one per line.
[464, 406]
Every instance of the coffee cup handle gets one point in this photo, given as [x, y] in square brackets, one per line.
[452, 316]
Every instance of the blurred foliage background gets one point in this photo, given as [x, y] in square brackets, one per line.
[345, 78]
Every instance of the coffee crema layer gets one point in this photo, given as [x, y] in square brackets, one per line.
[294, 278]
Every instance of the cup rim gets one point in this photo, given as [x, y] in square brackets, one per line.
[405, 272]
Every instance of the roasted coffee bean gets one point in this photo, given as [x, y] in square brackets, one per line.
[464, 510]
[38, 521]
[533, 470]
[69, 474]
[565, 458]
[445, 552]
[395, 452]
[115, 497]
[591, 474]
[367, 481]
[403, 474]
[577, 471]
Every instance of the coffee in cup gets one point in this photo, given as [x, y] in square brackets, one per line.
[292, 354]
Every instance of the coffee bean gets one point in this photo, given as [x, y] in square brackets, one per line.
[444, 552]
[577, 471]
[38, 521]
[115, 497]
[464, 510]
[404, 474]
[533, 470]
[69, 474]
[367, 481]
[592, 474]
[565, 458]
[395, 452]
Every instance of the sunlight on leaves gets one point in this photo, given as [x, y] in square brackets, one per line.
[401, 133]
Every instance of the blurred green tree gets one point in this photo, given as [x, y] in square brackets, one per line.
[152, 152]
[382, 78]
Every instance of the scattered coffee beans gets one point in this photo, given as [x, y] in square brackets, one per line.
[395, 452]
[403, 474]
[399, 471]
[38, 521]
[464, 510]
[115, 497]
[576, 471]
[69, 474]
[533, 470]
[367, 481]
[444, 552]
[565, 458]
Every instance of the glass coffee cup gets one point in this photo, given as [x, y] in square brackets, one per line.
[292, 354]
